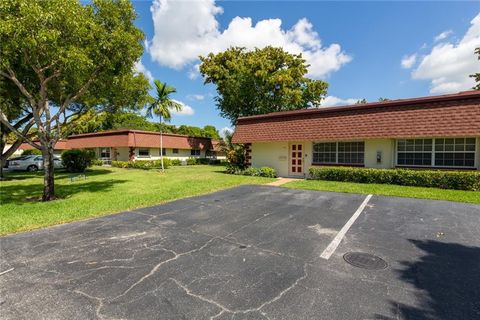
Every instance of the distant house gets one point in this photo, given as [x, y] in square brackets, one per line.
[124, 145]
[439, 132]
[60, 146]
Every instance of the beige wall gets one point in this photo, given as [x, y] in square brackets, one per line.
[271, 154]
[182, 154]
[386, 147]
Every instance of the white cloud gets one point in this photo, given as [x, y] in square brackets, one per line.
[449, 64]
[197, 97]
[408, 61]
[197, 32]
[140, 68]
[186, 109]
[443, 35]
[332, 101]
[225, 130]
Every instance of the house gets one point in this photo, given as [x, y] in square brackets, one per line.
[438, 132]
[60, 146]
[124, 145]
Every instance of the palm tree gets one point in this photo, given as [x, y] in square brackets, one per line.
[161, 106]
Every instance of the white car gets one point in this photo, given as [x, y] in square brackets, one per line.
[32, 163]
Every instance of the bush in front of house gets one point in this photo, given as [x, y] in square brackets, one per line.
[236, 160]
[192, 161]
[77, 160]
[176, 162]
[96, 162]
[266, 172]
[143, 164]
[31, 152]
[458, 180]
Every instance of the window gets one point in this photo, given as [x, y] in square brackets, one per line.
[442, 152]
[105, 153]
[351, 152]
[144, 152]
[175, 151]
[339, 152]
[458, 152]
[164, 151]
[414, 152]
[195, 152]
[325, 152]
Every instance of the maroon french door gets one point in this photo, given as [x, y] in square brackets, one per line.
[296, 159]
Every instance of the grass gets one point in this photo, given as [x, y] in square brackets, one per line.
[105, 191]
[387, 190]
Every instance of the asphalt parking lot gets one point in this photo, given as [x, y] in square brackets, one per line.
[251, 252]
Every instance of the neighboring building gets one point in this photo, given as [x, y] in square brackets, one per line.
[440, 132]
[124, 145]
[60, 146]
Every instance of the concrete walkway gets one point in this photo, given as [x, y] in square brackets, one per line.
[280, 181]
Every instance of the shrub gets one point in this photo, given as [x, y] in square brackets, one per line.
[459, 180]
[143, 164]
[268, 172]
[77, 160]
[252, 171]
[96, 162]
[176, 162]
[192, 161]
[31, 152]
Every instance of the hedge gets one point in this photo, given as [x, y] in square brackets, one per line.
[143, 164]
[255, 172]
[459, 180]
[167, 162]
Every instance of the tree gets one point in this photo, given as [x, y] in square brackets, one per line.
[211, 132]
[10, 100]
[476, 76]
[65, 59]
[161, 106]
[363, 101]
[260, 81]
[383, 99]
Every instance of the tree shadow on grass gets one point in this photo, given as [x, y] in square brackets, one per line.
[21, 194]
[59, 174]
[448, 276]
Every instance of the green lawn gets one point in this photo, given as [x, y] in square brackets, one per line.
[106, 190]
[387, 190]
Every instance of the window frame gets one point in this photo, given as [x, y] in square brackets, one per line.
[143, 155]
[175, 151]
[194, 153]
[109, 152]
[337, 152]
[433, 151]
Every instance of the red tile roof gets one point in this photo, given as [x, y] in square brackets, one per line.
[61, 145]
[446, 116]
[130, 138]
[137, 138]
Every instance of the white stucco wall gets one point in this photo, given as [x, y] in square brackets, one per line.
[387, 149]
[182, 154]
[271, 154]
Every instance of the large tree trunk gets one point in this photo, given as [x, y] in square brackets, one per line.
[2, 158]
[48, 176]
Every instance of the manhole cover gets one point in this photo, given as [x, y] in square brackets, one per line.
[365, 260]
[242, 247]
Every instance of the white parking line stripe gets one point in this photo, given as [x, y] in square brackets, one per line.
[338, 238]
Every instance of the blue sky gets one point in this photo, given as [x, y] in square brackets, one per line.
[362, 49]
